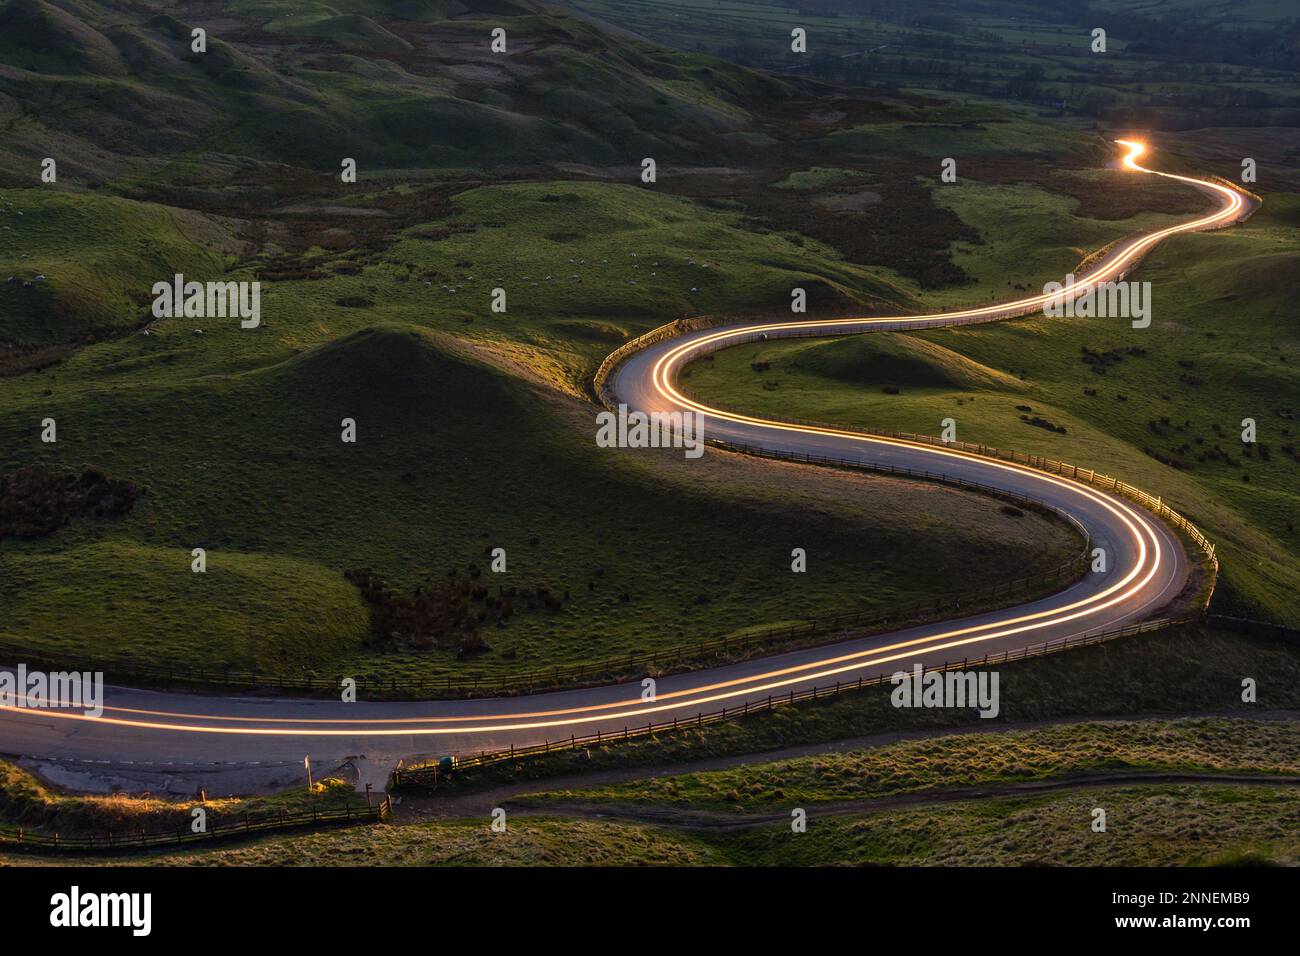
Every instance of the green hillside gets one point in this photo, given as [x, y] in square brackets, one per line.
[79, 266]
[399, 83]
[452, 459]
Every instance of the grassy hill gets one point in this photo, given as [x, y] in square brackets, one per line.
[387, 83]
[75, 264]
[895, 804]
[901, 360]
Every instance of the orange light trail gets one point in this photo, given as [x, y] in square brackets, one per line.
[1136, 523]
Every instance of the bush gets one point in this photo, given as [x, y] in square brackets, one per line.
[36, 501]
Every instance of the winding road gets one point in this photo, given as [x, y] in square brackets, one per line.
[163, 740]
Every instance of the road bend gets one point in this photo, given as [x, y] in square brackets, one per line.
[143, 734]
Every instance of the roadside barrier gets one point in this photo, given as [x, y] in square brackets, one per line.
[429, 775]
[38, 841]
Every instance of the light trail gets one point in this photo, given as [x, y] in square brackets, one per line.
[1136, 523]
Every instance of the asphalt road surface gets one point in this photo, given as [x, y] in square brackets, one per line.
[173, 741]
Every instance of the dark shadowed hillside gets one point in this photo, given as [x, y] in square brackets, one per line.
[388, 83]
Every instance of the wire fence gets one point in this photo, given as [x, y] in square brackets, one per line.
[1153, 503]
[40, 841]
[429, 775]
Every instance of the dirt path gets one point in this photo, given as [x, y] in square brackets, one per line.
[714, 819]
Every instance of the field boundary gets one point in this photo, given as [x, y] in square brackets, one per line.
[428, 775]
[38, 841]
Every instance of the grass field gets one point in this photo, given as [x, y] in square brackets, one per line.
[1202, 825]
[531, 843]
[27, 803]
[1146, 826]
[1154, 824]
[968, 760]
[91, 280]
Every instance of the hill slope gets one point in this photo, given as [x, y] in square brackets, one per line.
[452, 458]
[388, 83]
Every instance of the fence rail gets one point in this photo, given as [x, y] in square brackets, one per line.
[38, 841]
[424, 776]
[1064, 469]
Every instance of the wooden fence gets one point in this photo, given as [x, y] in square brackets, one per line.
[39, 841]
[428, 775]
